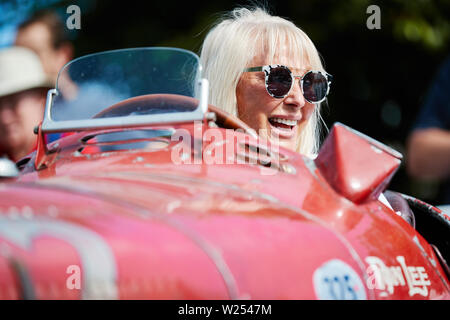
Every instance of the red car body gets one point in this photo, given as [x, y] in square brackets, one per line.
[134, 225]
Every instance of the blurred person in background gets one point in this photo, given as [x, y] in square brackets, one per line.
[44, 33]
[23, 91]
[429, 141]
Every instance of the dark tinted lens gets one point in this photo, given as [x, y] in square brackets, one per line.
[315, 86]
[279, 82]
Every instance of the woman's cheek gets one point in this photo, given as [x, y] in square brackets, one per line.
[308, 111]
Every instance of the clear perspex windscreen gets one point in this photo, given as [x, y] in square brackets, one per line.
[89, 85]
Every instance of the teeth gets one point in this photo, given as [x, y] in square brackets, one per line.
[285, 121]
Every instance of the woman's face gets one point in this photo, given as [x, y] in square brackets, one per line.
[260, 110]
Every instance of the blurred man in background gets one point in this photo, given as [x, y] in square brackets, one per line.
[23, 90]
[45, 34]
[429, 142]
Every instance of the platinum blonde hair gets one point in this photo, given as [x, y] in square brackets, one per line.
[232, 44]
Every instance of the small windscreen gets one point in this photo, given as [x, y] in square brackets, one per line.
[126, 82]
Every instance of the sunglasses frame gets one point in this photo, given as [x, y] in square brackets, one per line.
[266, 69]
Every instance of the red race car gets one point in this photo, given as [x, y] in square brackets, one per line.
[151, 193]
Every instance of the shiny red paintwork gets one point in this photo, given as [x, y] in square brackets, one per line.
[141, 227]
[359, 177]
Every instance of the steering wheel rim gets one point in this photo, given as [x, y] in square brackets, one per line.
[144, 102]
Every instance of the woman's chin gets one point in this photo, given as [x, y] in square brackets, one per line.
[291, 144]
[286, 138]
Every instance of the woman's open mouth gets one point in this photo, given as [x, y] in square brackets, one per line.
[282, 127]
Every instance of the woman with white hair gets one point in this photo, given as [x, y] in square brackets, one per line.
[267, 72]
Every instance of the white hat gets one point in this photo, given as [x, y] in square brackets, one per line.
[21, 69]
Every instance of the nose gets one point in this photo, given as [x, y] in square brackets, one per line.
[295, 96]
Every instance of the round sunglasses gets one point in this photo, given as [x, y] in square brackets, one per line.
[279, 79]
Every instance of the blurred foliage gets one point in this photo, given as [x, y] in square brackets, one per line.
[381, 76]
